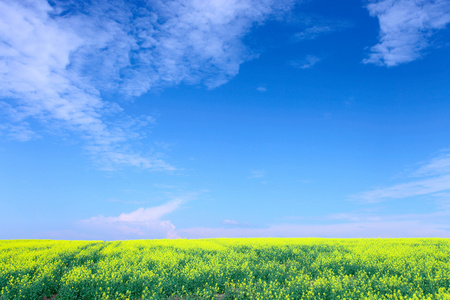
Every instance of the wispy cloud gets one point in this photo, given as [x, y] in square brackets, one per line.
[320, 27]
[261, 89]
[141, 223]
[257, 174]
[40, 79]
[18, 132]
[438, 217]
[437, 166]
[350, 226]
[364, 229]
[404, 190]
[57, 62]
[235, 223]
[307, 62]
[313, 32]
[405, 28]
[349, 101]
[434, 177]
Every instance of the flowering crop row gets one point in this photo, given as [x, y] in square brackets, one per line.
[253, 268]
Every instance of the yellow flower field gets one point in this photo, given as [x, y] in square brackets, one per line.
[253, 268]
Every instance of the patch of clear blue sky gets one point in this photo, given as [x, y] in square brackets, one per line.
[316, 135]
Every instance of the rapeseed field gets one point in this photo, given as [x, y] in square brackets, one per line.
[252, 268]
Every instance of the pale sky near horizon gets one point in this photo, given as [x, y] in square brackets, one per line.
[238, 118]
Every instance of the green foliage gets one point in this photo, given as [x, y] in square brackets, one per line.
[263, 268]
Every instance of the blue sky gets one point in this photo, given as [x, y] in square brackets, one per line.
[197, 119]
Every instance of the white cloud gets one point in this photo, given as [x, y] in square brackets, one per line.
[314, 32]
[57, 62]
[257, 174]
[439, 217]
[261, 89]
[235, 223]
[405, 28]
[316, 27]
[388, 229]
[404, 190]
[438, 165]
[230, 222]
[141, 223]
[149, 223]
[307, 62]
[200, 41]
[404, 227]
[149, 214]
[435, 178]
[39, 81]
[18, 132]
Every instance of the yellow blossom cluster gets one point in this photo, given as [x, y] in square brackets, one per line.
[251, 268]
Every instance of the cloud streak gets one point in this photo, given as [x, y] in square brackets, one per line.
[313, 32]
[59, 62]
[257, 174]
[434, 178]
[317, 27]
[405, 29]
[308, 62]
[404, 190]
[141, 223]
[437, 166]
[389, 229]
[230, 222]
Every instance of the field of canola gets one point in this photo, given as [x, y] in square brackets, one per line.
[256, 268]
